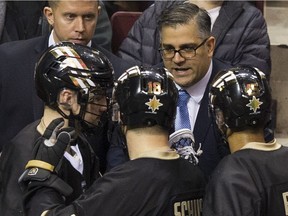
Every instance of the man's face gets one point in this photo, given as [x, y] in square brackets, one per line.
[187, 72]
[95, 108]
[73, 21]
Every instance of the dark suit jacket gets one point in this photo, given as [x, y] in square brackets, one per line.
[205, 130]
[19, 103]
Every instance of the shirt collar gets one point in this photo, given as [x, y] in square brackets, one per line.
[197, 91]
[52, 41]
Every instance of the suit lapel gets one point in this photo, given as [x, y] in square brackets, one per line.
[203, 120]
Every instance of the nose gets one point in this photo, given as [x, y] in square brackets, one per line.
[79, 24]
[177, 58]
[103, 107]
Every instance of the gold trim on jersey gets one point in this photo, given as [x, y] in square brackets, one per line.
[263, 146]
[164, 154]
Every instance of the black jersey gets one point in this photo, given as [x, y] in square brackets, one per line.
[252, 181]
[16, 155]
[144, 186]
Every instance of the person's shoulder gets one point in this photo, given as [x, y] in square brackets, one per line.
[106, 52]
[226, 167]
[156, 9]
[29, 132]
[219, 64]
[111, 56]
[248, 7]
[23, 140]
[22, 45]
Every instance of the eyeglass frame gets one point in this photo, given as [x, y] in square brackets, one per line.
[179, 50]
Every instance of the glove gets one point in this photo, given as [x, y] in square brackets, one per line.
[183, 142]
[49, 150]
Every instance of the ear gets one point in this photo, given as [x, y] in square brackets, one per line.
[68, 101]
[48, 12]
[211, 46]
[67, 98]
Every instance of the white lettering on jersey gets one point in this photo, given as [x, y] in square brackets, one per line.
[285, 200]
[188, 208]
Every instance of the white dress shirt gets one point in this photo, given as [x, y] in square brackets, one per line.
[196, 93]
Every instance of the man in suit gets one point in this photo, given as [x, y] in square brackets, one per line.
[22, 20]
[73, 21]
[187, 47]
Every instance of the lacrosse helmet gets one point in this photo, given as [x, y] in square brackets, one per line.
[240, 97]
[146, 96]
[83, 69]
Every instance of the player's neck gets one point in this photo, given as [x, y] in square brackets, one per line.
[238, 139]
[145, 143]
[48, 116]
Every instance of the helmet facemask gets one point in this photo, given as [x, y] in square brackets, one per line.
[81, 69]
[94, 104]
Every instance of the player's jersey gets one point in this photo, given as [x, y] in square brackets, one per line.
[252, 181]
[144, 186]
[16, 155]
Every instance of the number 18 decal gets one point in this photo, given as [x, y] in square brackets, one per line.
[154, 88]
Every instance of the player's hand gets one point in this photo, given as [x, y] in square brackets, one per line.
[50, 148]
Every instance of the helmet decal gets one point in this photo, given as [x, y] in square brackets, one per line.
[146, 96]
[154, 104]
[254, 104]
[252, 89]
[84, 70]
[64, 51]
[83, 83]
[243, 95]
[73, 59]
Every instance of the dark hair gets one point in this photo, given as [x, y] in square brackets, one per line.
[182, 13]
[53, 3]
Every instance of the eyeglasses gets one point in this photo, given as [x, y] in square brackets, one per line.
[187, 52]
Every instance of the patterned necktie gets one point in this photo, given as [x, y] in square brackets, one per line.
[183, 116]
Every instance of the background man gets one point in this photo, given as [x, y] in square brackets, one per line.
[73, 21]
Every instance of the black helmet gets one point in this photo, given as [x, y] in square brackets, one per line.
[242, 97]
[80, 68]
[146, 96]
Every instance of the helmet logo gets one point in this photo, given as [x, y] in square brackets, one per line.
[154, 104]
[254, 104]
